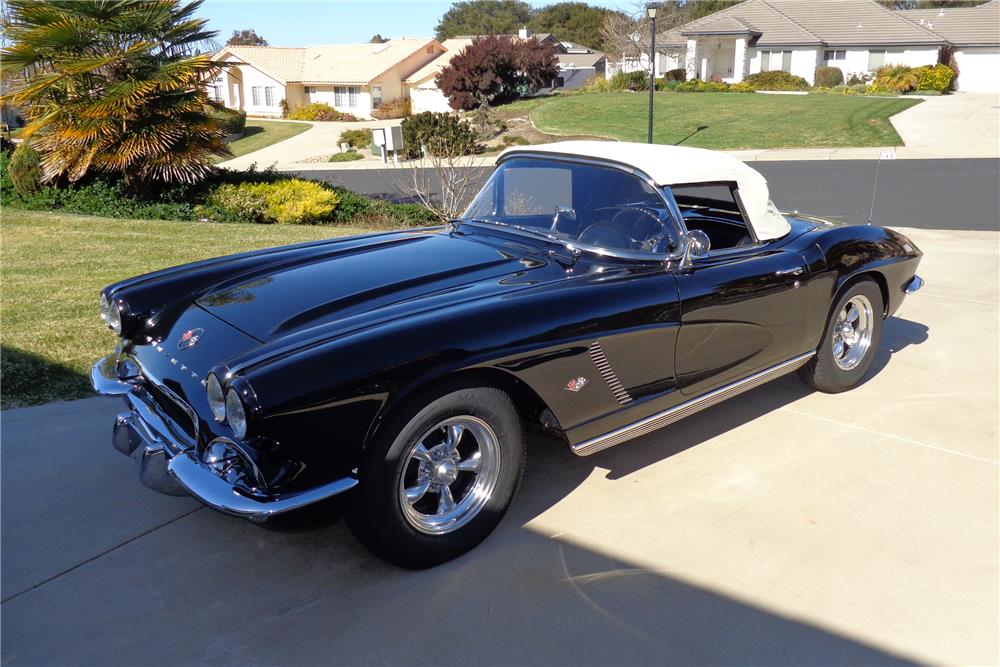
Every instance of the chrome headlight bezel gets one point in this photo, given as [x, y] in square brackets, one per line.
[216, 397]
[236, 415]
[111, 313]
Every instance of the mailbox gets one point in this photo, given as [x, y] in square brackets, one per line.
[391, 138]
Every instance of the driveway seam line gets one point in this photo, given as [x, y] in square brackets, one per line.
[894, 437]
[100, 555]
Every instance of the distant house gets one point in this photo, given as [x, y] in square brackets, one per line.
[857, 36]
[424, 92]
[577, 63]
[973, 34]
[354, 78]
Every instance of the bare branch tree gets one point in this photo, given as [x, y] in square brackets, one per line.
[627, 37]
[442, 182]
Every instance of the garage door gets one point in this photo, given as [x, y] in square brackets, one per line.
[428, 99]
[978, 69]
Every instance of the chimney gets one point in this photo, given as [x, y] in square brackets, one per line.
[524, 33]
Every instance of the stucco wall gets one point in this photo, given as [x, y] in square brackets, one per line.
[428, 99]
[803, 63]
[239, 82]
[326, 94]
[856, 60]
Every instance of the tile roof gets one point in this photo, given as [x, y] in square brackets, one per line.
[792, 22]
[580, 59]
[961, 26]
[341, 63]
[454, 46]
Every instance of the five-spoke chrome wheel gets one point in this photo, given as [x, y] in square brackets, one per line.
[852, 332]
[449, 475]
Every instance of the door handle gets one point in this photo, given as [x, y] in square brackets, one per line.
[789, 272]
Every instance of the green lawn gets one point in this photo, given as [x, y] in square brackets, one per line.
[726, 120]
[262, 133]
[54, 267]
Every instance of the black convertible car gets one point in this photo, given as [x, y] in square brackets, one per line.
[598, 290]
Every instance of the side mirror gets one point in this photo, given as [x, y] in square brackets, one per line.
[696, 244]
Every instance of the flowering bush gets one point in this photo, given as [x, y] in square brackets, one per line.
[937, 77]
[320, 111]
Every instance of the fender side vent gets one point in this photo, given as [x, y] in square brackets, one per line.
[608, 373]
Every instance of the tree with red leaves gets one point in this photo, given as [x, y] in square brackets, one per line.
[495, 69]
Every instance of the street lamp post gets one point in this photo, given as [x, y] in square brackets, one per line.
[651, 9]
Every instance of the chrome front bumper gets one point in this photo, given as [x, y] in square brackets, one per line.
[168, 457]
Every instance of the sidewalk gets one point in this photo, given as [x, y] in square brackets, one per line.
[962, 125]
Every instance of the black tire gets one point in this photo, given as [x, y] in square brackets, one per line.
[377, 516]
[822, 371]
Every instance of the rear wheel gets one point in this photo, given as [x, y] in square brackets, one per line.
[440, 477]
[852, 336]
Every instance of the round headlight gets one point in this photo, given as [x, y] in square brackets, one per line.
[235, 414]
[114, 319]
[216, 399]
[105, 306]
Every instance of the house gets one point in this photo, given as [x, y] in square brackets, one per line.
[857, 36]
[973, 35]
[422, 85]
[577, 63]
[354, 78]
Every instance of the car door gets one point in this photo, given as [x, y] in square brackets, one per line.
[742, 310]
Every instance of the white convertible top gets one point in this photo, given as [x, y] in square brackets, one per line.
[680, 165]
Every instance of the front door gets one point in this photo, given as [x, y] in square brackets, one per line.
[742, 310]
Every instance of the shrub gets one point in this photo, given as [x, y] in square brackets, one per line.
[232, 121]
[596, 84]
[897, 79]
[398, 108]
[859, 78]
[828, 77]
[675, 75]
[443, 134]
[25, 169]
[698, 86]
[358, 209]
[486, 124]
[776, 80]
[638, 80]
[319, 111]
[356, 138]
[514, 140]
[297, 202]
[346, 156]
[937, 77]
[289, 201]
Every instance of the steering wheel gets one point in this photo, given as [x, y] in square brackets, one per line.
[635, 227]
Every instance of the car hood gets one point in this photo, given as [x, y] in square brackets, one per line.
[309, 292]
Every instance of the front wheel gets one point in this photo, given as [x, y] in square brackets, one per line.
[851, 338]
[440, 478]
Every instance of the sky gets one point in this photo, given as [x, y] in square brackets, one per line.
[303, 23]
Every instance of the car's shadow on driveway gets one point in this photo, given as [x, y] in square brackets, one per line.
[198, 586]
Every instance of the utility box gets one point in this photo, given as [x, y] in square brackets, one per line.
[390, 138]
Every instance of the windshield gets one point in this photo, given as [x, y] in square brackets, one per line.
[582, 204]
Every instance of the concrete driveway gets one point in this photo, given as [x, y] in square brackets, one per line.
[319, 141]
[782, 527]
[963, 125]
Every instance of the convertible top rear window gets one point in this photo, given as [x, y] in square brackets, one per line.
[585, 204]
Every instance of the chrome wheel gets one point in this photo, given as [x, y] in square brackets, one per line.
[852, 333]
[449, 475]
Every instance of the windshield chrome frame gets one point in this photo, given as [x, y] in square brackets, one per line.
[664, 193]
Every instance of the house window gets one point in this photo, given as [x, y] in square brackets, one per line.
[347, 96]
[269, 96]
[830, 56]
[376, 96]
[338, 96]
[217, 93]
[876, 60]
[775, 60]
[352, 96]
[310, 90]
[255, 95]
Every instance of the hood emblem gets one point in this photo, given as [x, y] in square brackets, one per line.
[190, 338]
[576, 384]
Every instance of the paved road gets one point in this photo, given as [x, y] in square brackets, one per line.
[783, 527]
[926, 194]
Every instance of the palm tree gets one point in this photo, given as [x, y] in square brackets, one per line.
[113, 86]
